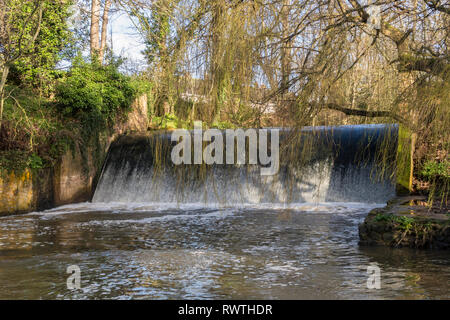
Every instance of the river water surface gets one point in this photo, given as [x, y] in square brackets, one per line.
[144, 251]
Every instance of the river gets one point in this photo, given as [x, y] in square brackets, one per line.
[265, 251]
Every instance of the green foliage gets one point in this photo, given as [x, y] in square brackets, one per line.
[402, 222]
[35, 162]
[89, 98]
[13, 160]
[27, 120]
[438, 174]
[95, 94]
[32, 134]
[169, 121]
[28, 99]
[433, 169]
[37, 66]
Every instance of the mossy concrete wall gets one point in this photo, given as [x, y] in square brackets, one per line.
[16, 192]
[405, 151]
[72, 179]
[26, 191]
[74, 175]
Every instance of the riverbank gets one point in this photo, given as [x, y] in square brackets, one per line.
[72, 176]
[408, 222]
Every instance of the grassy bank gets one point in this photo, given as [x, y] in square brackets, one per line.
[408, 222]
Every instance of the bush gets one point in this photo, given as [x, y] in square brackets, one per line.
[35, 162]
[95, 92]
[433, 169]
[438, 175]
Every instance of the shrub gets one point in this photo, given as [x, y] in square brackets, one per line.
[92, 91]
[433, 169]
[438, 175]
[35, 162]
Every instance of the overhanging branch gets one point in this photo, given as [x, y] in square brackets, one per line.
[435, 4]
[368, 113]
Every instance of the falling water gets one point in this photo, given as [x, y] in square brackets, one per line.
[320, 164]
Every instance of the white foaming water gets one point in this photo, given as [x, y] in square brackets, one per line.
[341, 168]
[218, 209]
[322, 181]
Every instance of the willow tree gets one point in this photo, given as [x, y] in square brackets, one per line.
[422, 52]
[303, 56]
[305, 62]
[219, 75]
[230, 56]
[403, 62]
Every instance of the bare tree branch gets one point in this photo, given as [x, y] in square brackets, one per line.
[368, 113]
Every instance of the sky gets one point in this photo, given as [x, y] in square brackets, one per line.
[125, 40]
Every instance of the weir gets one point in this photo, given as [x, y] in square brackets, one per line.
[317, 164]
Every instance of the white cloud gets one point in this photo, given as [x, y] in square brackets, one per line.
[126, 41]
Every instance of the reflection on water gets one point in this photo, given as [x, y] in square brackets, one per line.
[260, 252]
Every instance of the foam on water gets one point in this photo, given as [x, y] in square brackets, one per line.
[341, 166]
[116, 207]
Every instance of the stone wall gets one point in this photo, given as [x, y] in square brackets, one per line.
[405, 163]
[407, 222]
[16, 192]
[26, 192]
[72, 179]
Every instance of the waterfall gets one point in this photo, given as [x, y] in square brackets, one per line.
[317, 164]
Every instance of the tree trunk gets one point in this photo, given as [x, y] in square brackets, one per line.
[95, 27]
[104, 30]
[2, 91]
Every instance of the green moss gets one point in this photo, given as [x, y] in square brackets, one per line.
[403, 161]
[169, 121]
[223, 125]
[13, 161]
